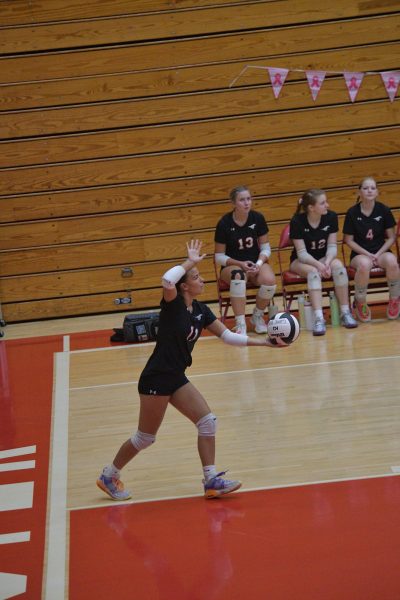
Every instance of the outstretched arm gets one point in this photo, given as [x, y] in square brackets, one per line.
[236, 339]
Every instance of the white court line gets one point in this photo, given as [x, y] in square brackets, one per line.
[14, 538]
[56, 543]
[17, 466]
[108, 503]
[239, 371]
[17, 452]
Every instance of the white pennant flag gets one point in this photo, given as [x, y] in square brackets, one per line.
[391, 80]
[277, 77]
[315, 80]
[353, 83]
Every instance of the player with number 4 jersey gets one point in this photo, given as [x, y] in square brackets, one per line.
[369, 230]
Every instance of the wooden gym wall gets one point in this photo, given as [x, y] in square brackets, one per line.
[121, 137]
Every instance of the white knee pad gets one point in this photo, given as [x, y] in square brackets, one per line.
[314, 281]
[340, 278]
[142, 440]
[207, 426]
[266, 292]
[237, 288]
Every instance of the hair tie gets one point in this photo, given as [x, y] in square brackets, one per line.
[300, 200]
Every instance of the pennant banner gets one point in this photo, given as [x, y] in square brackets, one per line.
[277, 77]
[315, 80]
[353, 82]
[391, 81]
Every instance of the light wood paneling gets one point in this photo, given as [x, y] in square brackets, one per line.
[276, 182]
[193, 79]
[260, 44]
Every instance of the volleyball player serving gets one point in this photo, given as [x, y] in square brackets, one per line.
[163, 380]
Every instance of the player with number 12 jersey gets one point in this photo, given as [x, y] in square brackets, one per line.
[315, 238]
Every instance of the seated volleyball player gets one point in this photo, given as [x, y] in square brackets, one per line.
[369, 230]
[242, 251]
[313, 231]
[163, 380]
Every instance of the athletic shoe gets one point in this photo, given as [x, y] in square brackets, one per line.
[319, 326]
[259, 323]
[393, 309]
[113, 487]
[240, 328]
[362, 311]
[217, 486]
[348, 321]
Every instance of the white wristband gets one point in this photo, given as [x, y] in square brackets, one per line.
[233, 339]
[171, 277]
[259, 262]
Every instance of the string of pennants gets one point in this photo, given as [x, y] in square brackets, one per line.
[315, 79]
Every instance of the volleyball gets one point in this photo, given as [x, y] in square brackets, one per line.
[283, 329]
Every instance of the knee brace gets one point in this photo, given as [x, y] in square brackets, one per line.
[207, 426]
[142, 440]
[266, 292]
[237, 288]
[314, 281]
[340, 278]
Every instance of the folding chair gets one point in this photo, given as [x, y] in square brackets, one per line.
[224, 300]
[292, 283]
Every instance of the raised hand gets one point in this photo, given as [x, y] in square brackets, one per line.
[193, 251]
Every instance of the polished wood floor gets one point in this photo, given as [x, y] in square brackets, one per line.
[324, 408]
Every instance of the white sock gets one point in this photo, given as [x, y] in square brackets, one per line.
[344, 309]
[209, 472]
[240, 319]
[318, 313]
[111, 471]
[258, 312]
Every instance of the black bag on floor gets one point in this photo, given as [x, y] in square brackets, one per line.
[137, 328]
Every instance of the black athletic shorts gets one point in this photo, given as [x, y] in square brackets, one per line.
[161, 384]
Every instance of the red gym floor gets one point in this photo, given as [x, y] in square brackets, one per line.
[332, 541]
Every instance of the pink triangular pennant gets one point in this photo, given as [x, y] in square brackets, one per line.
[315, 80]
[277, 77]
[391, 80]
[353, 83]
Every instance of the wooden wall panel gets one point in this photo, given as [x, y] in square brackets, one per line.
[121, 138]
[197, 79]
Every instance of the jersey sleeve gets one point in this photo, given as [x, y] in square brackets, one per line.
[295, 232]
[334, 222]
[348, 225]
[262, 227]
[209, 316]
[389, 218]
[220, 235]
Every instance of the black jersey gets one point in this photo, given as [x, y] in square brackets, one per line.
[315, 238]
[368, 232]
[241, 241]
[178, 330]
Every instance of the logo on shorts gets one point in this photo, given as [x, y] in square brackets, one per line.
[153, 392]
